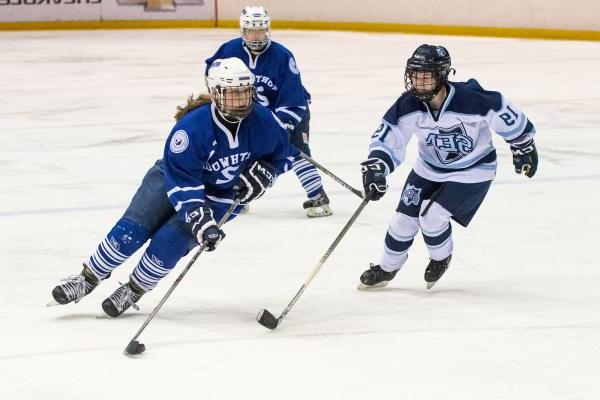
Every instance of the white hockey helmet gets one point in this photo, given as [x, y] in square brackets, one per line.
[231, 87]
[255, 27]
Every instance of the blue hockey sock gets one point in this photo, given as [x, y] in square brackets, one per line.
[308, 176]
[124, 239]
[167, 247]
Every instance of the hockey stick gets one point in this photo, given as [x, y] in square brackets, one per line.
[268, 320]
[433, 197]
[134, 347]
[330, 174]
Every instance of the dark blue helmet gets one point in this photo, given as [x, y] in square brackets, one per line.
[427, 58]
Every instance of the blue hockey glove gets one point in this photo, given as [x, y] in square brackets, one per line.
[373, 176]
[253, 182]
[205, 228]
[525, 158]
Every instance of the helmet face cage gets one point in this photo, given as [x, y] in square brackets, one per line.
[234, 103]
[256, 38]
[427, 72]
[438, 79]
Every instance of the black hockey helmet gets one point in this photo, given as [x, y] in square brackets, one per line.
[427, 58]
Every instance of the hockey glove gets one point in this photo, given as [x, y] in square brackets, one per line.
[204, 227]
[373, 176]
[253, 182]
[525, 158]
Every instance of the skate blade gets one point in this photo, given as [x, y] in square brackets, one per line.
[53, 303]
[430, 284]
[362, 286]
[316, 212]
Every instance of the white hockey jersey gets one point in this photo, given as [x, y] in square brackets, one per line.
[456, 143]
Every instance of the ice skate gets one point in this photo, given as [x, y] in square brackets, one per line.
[375, 277]
[435, 270]
[317, 207]
[75, 287]
[124, 297]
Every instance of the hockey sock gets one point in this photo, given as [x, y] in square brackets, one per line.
[399, 237]
[124, 239]
[166, 248]
[308, 176]
[436, 230]
[439, 243]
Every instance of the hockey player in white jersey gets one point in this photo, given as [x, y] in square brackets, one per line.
[453, 122]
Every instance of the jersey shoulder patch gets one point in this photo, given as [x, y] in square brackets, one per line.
[193, 127]
[179, 141]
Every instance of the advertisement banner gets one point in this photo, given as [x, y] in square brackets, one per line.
[111, 10]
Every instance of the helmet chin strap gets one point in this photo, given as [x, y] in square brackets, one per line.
[228, 119]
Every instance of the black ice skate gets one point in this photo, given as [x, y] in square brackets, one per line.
[317, 207]
[375, 277]
[75, 287]
[435, 270]
[124, 297]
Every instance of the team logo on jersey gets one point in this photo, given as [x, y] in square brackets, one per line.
[293, 66]
[450, 144]
[411, 195]
[179, 141]
[229, 174]
[227, 166]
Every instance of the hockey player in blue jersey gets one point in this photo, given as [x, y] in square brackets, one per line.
[279, 87]
[453, 122]
[221, 147]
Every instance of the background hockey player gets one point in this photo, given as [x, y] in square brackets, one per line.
[279, 87]
[456, 162]
[217, 150]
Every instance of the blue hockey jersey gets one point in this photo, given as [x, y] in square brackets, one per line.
[203, 159]
[455, 143]
[278, 83]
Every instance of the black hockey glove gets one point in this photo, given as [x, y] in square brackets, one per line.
[253, 182]
[205, 228]
[373, 176]
[525, 158]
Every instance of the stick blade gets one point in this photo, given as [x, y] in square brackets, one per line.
[134, 348]
[266, 319]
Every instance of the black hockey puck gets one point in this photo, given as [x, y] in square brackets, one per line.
[134, 347]
[267, 319]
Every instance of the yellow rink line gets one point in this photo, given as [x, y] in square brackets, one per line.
[529, 33]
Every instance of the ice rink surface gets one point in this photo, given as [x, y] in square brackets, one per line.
[84, 114]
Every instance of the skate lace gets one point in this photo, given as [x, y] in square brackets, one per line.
[74, 287]
[374, 267]
[124, 297]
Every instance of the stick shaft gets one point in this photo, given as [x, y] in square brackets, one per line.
[331, 174]
[324, 258]
[183, 273]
